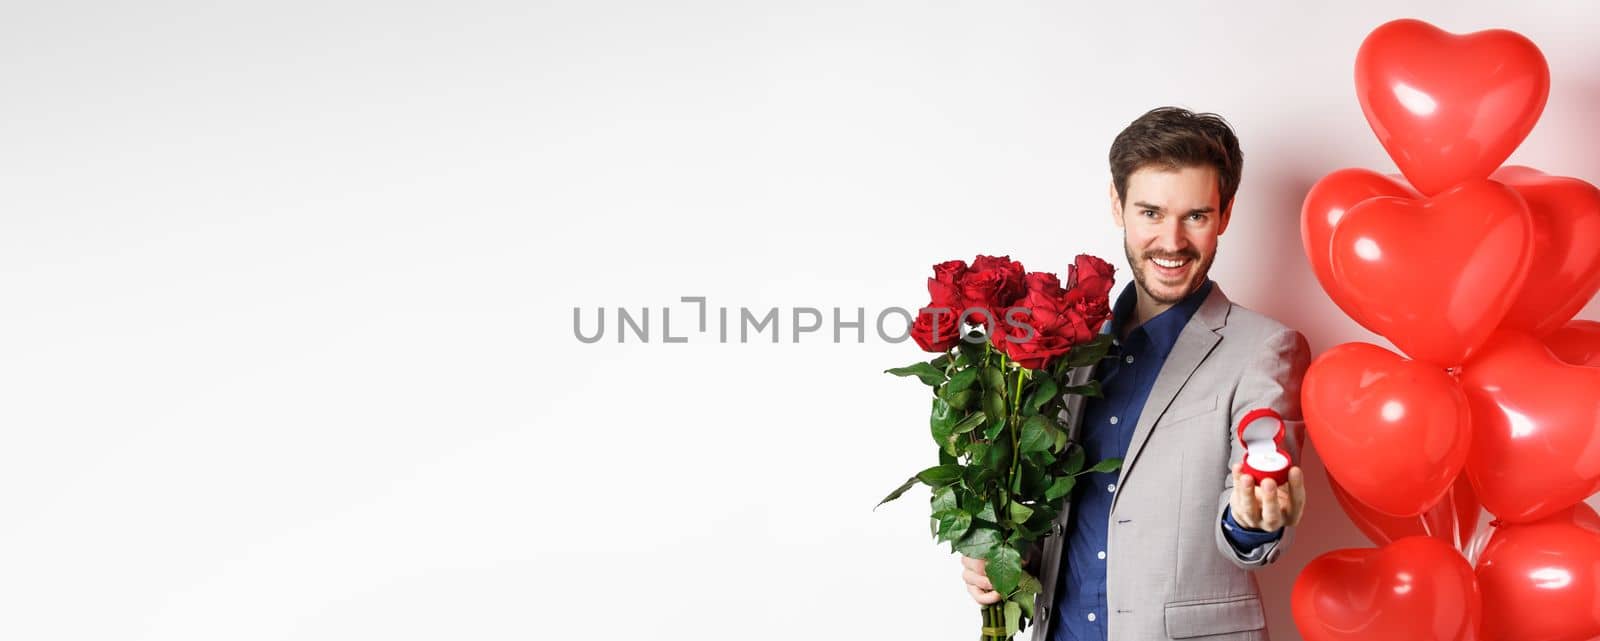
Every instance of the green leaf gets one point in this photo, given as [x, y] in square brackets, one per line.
[897, 491]
[1025, 598]
[971, 422]
[1074, 459]
[940, 475]
[1020, 513]
[992, 430]
[1029, 586]
[1005, 569]
[942, 422]
[998, 457]
[1013, 618]
[944, 499]
[1090, 389]
[1107, 465]
[994, 380]
[1089, 353]
[986, 513]
[1058, 439]
[1061, 487]
[1042, 394]
[940, 362]
[961, 380]
[962, 400]
[977, 477]
[928, 373]
[979, 543]
[970, 353]
[1035, 435]
[953, 525]
[994, 405]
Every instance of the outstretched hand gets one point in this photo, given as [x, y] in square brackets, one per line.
[1268, 506]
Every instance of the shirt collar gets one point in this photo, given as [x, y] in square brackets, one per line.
[1161, 331]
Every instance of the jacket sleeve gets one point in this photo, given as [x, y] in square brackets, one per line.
[1272, 380]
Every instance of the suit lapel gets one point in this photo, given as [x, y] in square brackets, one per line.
[1195, 342]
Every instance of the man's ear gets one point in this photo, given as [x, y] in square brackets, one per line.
[1227, 215]
[1116, 204]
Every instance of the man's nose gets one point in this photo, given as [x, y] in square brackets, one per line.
[1169, 237]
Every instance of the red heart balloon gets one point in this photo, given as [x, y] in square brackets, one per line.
[1432, 275]
[1535, 449]
[1543, 579]
[1449, 108]
[1566, 248]
[1415, 589]
[1576, 343]
[1325, 204]
[1453, 520]
[1394, 432]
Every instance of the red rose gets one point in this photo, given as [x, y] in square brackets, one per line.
[937, 336]
[1045, 283]
[943, 287]
[992, 284]
[950, 271]
[1093, 274]
[1041, 330]
[1053, 320]
[1089, 290]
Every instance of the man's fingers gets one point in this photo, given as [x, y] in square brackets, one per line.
[1246, 509]
[1297, 494]
[1271, 509]
[977, 580]
[976, 565]
[983, 597]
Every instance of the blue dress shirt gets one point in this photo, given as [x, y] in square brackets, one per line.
[1126, 378]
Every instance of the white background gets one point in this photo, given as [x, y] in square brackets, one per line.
[288, 347]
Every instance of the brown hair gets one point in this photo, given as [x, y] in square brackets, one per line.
[1174, 137]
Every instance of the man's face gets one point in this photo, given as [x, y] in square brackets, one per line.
[1170, 223]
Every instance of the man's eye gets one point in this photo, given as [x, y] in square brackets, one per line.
[1197, 217]
[1148, 213]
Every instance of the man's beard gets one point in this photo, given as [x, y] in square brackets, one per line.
[1138, 265]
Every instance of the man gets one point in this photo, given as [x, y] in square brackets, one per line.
[1163, 547]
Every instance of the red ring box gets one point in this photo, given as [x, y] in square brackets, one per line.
[1261, 433]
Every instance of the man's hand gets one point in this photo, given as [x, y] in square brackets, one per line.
[974, 573]
[1268, 506]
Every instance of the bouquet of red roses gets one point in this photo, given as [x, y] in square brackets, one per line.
[1007, 340]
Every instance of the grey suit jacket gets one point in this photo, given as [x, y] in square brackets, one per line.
[1170, 572]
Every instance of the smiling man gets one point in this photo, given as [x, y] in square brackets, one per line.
[1163, 548]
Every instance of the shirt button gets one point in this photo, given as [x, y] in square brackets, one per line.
[1111, 488]
[1113, 420]
[1102, 554]
[1128, 360]
[1091, 616]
